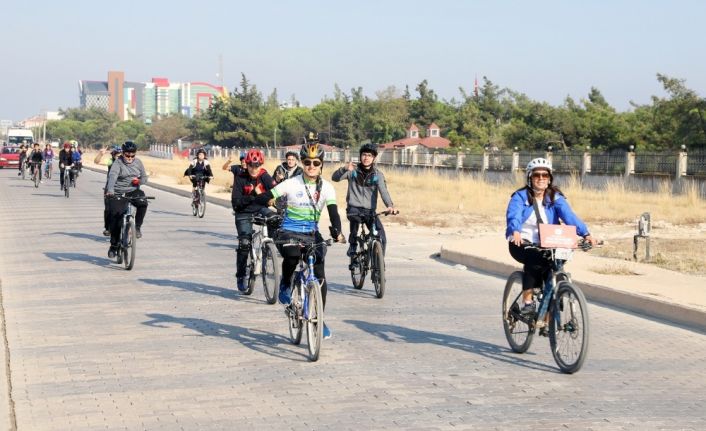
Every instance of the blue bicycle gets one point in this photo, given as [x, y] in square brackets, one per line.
[307, 306]
[562, 314]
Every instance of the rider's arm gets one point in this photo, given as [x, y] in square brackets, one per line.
[384, 194]
[334, 217]
[513, 215]
[99, 157]
[567, 215]
[187, 172]
[341, 173]
[113, 176]
[226, 165]
[238, 198]
[208, 171]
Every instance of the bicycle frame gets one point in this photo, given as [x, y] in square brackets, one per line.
[305, 272]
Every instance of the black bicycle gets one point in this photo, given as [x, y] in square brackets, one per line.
[262, 259]
[370, 257]
[198, 196]
[36, 170]
[128, 232]
[67, 181]
[562, 312]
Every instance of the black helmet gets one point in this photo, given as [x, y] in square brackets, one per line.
[202, 151]
[313, 137]
[129, 147]
[369, 148]
[311, 150]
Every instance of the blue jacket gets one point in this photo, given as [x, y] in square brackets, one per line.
[519, 210]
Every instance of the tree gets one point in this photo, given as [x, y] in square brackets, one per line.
[167, 130]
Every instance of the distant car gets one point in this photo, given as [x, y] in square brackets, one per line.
[10, 157]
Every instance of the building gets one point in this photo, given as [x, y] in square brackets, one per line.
[432, 140]
[147, 100]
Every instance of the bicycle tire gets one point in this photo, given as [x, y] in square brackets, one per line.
[131, 246]
[572, 329]
[35, 177]
[23, 172]
[195, 203]
[270, 272]
[66, 186]
[202, 204]
[315, 320]
[519, 335]
[357, 268]
[377, 269]
[295, 321]
[250, 275]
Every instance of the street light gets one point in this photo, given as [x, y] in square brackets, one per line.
[632, 148]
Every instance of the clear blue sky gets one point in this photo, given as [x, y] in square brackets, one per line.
[545, 49]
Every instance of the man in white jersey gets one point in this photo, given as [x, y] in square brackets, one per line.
[306, 195]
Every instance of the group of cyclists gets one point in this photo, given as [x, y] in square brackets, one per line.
[33, 157]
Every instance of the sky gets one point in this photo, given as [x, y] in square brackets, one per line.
[547, 50]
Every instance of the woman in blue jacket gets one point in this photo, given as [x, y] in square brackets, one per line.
[540, 201]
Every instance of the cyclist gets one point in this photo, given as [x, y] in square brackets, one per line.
[76, 154]
[236, 169]
[364, 182]
[248, 185]
[540, 201]
[23, 157]
[307, 195]
[126, 175]
[65, 162]
[199, 166]
[48, 158]
[114, 153]
[288, 169]
[35, 160]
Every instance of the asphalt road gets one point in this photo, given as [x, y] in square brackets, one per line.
[172, 345]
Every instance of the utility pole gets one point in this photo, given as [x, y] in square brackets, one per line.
[275, 136]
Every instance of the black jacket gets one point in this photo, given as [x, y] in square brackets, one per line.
[65, 158]
[246, 188]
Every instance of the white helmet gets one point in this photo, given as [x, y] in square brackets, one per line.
[537, 163]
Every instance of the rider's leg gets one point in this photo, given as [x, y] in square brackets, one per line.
[61, 177]
[243, 223]
[534, 268]
[116, 208]
[141, 207]
[381, 232]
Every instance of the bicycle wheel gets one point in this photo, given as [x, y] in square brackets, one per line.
[377, 269]
[195, 203]
[568, 330]
[202, 204]
[66, 186]
[250, 274]
[24, 172]
[517, 331]
[129, 244]
[35, 177]
[270, 272]
[292, 310]
[357, 268]
[314, 314]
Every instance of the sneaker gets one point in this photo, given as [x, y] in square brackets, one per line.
[138, 233]
[106, 232]
[241, 284]
[112, 252]
[528, 308]
[351, 250]
[327, 332]
[285, 294]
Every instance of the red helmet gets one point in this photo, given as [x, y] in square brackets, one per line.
[255, 157]
[67, 144]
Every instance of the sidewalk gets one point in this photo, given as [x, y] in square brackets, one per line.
[651, 291]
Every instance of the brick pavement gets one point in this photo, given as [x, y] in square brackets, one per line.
[171, 345]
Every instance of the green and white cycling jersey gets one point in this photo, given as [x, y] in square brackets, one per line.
[303, 209]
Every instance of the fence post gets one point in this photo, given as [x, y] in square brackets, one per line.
[347, 154]
[586, 162]
[681, 163]
[515, 160]
[395, 157]
[433, 160]
[459, 160]
[630, 162]
[486, 162]
[414, 157]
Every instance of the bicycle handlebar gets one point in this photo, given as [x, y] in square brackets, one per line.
[582, 244]
[387, 213]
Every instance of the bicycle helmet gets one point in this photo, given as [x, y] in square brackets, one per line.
[311, 150]
[243, 154]
[538, 163]
[67, 144]
[129, 147]
[255, 157]
[369, 148]
[116, 150]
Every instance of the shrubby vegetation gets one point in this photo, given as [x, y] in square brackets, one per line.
[494, 116]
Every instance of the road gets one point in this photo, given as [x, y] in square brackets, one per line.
[171, 345]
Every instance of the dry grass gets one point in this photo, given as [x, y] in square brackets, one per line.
[677, 254]
[614, 269]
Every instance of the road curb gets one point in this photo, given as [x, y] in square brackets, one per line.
[687, 317]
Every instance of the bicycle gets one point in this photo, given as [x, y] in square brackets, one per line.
[307, 306]
[36, 167]
[369, 257]
[128, 232]
[48, 168]
[67, 181]
[198, 202]
[262, 259]
[562, 314]
[23, 167]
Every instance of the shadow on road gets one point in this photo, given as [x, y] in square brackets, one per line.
[395, 334]
[81, 235]
[221, 245]
[206, 289]
[368, 291]
[81, 257]
[47, 194]
[260, 341]
[171, 213]
[218, 235]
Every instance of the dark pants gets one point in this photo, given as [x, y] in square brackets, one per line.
[292, 253]
[356, 216]
[243, 224]
[61, 176]
[116, 209]
[536, 265]
[33, 166]
[106, 221]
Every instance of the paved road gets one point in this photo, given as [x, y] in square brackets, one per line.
[171, 345]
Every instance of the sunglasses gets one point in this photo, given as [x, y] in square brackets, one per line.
[129, 155]
[540, 175]
[315, 163]
[253, 165]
